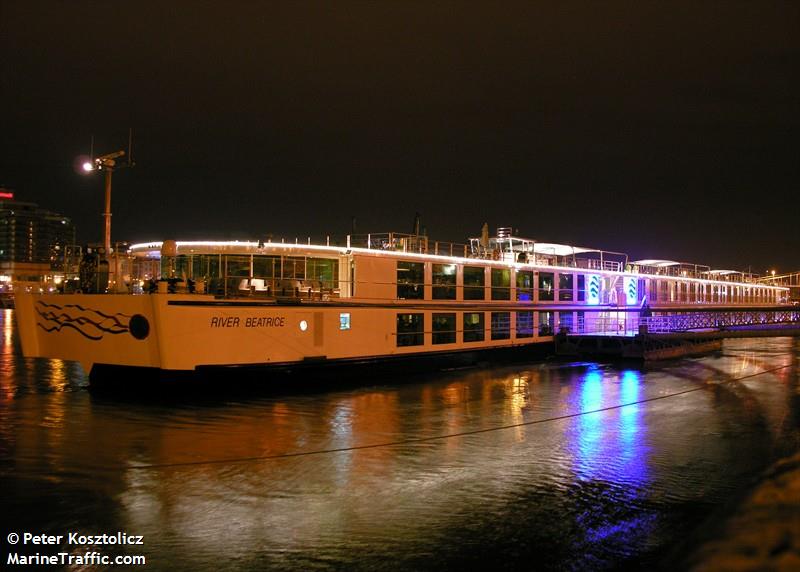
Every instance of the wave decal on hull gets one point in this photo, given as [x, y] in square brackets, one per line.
[91, 324]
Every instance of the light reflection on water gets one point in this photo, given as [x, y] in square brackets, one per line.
[595, 490]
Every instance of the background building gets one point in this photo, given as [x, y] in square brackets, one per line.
[33, 241]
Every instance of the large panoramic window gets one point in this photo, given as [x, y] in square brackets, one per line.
[546, 286]
[565, 282]
[410, 329]
[410, 280]
[501, 325]
[525, 285]
[501, 283]
[474, 281]
[581, 287]
[444, 328]
[525, 324]
[473, 327]
[444, 282]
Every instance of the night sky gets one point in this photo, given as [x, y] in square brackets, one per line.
[664, 130]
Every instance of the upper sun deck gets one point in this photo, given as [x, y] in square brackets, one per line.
[503, 249]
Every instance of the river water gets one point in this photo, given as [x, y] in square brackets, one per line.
[545, 466]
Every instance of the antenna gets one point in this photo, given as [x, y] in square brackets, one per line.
[91, 149]
[131, 162]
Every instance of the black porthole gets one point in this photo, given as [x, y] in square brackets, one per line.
[139, 327]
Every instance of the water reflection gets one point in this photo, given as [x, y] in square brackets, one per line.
[633, 446]
[594, 490]
[610, 444]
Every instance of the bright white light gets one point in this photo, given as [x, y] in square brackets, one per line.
[87, 166]
[303, 325]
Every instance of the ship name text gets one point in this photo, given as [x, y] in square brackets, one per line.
[249, 322]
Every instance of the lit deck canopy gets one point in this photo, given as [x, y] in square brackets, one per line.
[559, 249]
[657, 263]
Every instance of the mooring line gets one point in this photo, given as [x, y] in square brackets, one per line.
[414, 440]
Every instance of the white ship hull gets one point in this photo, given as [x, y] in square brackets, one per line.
[179, 334]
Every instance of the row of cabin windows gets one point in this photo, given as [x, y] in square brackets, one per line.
[411, 283]
[227, 271]
[571, 287]
[663, 291]
[445, 326]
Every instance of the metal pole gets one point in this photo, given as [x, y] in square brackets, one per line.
[107, 213]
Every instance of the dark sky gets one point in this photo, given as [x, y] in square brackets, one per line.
[662, 129]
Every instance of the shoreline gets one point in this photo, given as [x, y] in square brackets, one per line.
[763, 531]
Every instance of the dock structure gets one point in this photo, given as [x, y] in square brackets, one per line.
[789, 280]
[650, 336]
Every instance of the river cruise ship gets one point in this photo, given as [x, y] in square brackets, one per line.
[209, 307]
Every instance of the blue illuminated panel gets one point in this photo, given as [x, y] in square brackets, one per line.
[631, 291]
[593, 288]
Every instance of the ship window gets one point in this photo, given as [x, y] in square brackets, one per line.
[237, 274]
[410, 330]
[545, 286]
[322, 274]
[501, 325]
[410, 280]
[444, 282]
[199, 264]
[473, 327]
[344, 321]
[545, 323]
[237, 265]
[501, 284]
[267, 266]
[474, 281]
[444, 328]
[525, 324]
[206, 267]
[525, 285]
[183, 266]
[565, 322]
[294, 267]
[214, 273]
[565, 287]
[581, 287]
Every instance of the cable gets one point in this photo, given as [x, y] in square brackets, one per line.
[414, 440]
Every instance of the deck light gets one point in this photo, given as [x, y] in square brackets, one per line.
[303, 325]
[87, 166]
